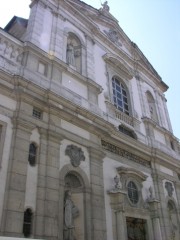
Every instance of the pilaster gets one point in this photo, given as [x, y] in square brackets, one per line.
[97, 197]
[47, 213]
[90, 58]
[12, 223]
[155, 219]
[117, 198]
[162, 210]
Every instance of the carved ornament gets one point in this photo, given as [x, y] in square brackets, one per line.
[123, 153]
[113, 36]
[75, 154]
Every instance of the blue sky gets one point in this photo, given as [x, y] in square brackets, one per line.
[154, 25]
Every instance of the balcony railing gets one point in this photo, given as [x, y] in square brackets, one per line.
[124, 117]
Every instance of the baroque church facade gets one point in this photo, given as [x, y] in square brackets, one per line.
[87, 150]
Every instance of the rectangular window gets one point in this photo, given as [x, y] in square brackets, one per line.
[42, 68]
[37, 113]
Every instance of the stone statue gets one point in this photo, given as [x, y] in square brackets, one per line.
[150, 193]
[70, 56]
[70, 212]
[105, 6]
[169, 188]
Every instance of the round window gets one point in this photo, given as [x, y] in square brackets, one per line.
[132, 192]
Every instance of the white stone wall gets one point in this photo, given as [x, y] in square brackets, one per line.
[32, 176]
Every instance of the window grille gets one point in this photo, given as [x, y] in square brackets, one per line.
[36, 113]
[27, 224]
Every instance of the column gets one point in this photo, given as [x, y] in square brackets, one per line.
[97, 196]
[162, 210]
[117, 197]
[155, 219]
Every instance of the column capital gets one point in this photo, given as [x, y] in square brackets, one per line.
[117, 197]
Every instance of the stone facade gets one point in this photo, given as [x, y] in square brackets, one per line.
[86, 145]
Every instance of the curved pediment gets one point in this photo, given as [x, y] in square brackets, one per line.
[120, 64]
[131, 172]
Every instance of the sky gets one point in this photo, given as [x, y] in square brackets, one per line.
[154, 25]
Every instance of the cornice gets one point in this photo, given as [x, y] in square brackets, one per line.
[142, 64]
[119, 63]
[11, 38]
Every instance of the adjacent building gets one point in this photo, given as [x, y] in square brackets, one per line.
[87, 150]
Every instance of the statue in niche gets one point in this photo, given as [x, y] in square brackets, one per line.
[70, 212]
[76, 155]
[70, 55]
[169, 188]
[105, 6]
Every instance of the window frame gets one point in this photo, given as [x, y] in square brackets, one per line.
[32, 155]
[121, 98]
[37, 110]
[139, 191]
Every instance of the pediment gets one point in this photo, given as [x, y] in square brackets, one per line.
[120, 64]
[104, 22]
[131, 172]
[93, 13]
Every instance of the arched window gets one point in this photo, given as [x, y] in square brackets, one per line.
[133, 192]
[120, 97]
[152, 106]
[27, 223]
[74, 52]
[32, 154]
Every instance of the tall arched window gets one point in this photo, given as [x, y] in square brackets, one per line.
[152, 106]
[120, 97]
[32, 154]
[27, 223]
